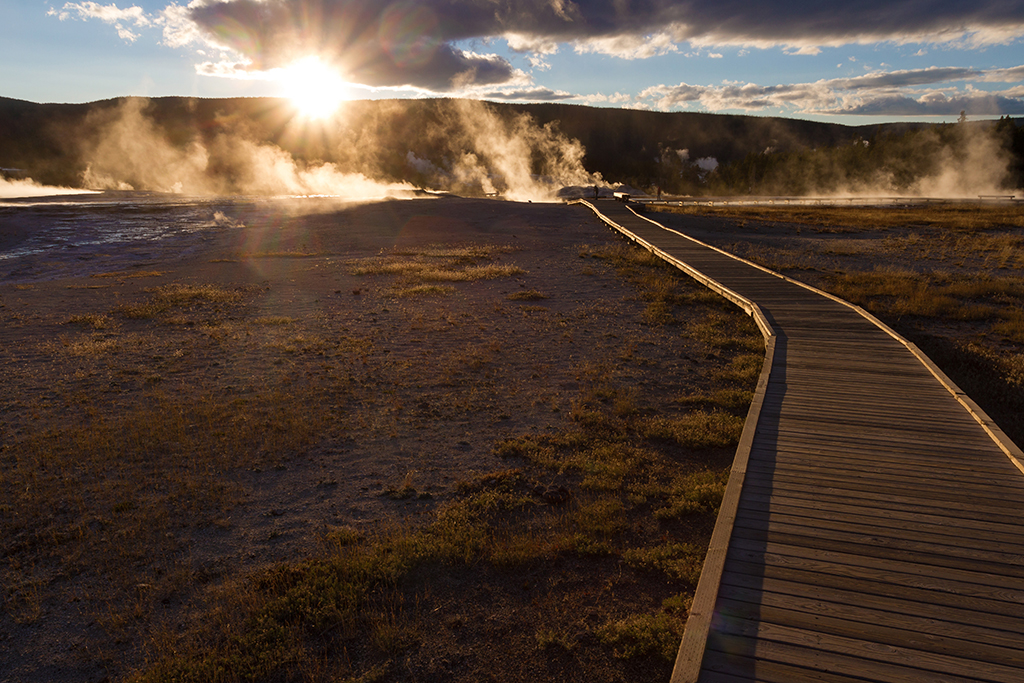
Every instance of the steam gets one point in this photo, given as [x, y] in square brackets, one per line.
[132, 153]
[470, 148]
[514, 157]
[961, 161]
[11, 189]
[475, 149]
[978, 166]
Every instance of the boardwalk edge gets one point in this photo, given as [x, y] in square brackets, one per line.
[698, 623]
[998, 436]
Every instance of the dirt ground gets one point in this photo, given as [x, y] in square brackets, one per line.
[345, 388]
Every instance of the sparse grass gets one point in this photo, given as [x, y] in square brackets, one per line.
[728, 399]
[641, 634]
[91, 320]
[424, 291]
[168, 424]
[177, 295]
[185, 294]
[274, 254]
[129, 274]
[526, 295]
[430, 272]
[960, 217]
[438, 264]
[273, 320]
[900, 291]
[92, 345]
[743, 369]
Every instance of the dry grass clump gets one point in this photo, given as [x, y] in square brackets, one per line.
[460, 254]
[185, 294]
[129, 274]
[96, 321]
[424, 290]
[177, 295]
[273, 320]
[433, 272]
[273, 254]
[526, 295]
[91, 345]
[438, 264]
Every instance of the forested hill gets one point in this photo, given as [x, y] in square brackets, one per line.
[625, 141]
[419, 140]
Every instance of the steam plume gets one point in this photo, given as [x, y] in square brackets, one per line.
[465, 146]
[131, 152]
[10, 189]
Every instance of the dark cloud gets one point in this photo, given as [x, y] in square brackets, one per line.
[908, 78]
[980, 104]
[528, 94]
[375, 43]
[410, 42]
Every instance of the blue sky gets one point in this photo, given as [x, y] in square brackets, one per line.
[854, 63]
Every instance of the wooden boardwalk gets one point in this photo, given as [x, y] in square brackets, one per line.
[873, 525]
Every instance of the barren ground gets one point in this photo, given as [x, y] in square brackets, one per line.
[169, 429]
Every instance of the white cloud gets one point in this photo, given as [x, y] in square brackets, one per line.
[538, 45]
[111, 14]
[627, 46]
[178, 28]
[600, 98]
[538, 63]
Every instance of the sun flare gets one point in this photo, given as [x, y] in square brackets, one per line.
[314, 88]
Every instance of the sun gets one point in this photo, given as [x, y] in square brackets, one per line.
[314, 88]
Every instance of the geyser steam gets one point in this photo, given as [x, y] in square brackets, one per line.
[131, 152]
[466, 146]
[10, 189]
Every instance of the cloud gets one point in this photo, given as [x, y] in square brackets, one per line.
[598, 98]
[108, 14]
[526, 94]
[422, 44]
[938, 103]
[374, 43]
[894, 93]
[413, 43]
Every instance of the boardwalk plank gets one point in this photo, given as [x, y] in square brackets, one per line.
[772, 662]
[817, 643]
[989, 617]
[985, 534]
[872, 626]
